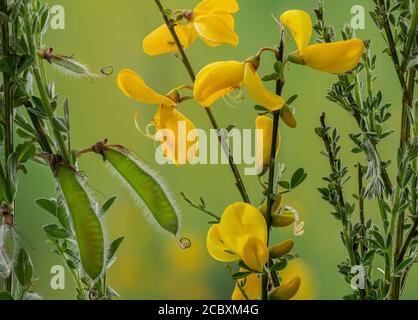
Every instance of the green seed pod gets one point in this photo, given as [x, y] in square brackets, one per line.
[281, 249]
[86, 224]
[68, 65]
[150, 193]
[286, 291]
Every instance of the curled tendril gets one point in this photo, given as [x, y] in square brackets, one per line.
[184, 243]
[106, 70]
[147, 133]
[234, 100]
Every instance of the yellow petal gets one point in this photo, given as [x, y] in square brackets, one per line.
[239, 220]
[216, 80]
[251, 287]
[134, 86]
[160, 40]
[216, 247]
[334, 57]
[177, 147]
[263, 149]
[216, 29]
[253, 252]
[286, 291]
[258, 92]
[300, 24]
[211, 6]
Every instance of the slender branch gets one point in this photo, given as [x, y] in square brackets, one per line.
[239, 182]
[43, 91]
[270, 190]
[391, 43]
[360, 177]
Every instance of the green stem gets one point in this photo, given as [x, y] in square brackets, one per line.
[238, 180]
[43, 91]
[411, 37]
[8, 108]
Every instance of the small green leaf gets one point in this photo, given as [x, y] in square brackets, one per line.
[404, 265]
[55, 232]
[240, 275]
[49, 205]
[291, 99]
[298, 178]
[23, 268]
[279, 265]
[113, 248]
[25, 151]
[278, 67]
[285, 185]
[108, 204]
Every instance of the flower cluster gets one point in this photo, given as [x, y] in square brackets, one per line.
[242, 232]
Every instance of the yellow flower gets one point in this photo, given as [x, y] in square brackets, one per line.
[220, 78]
[166, 118]
[240, 235]
[211, 21]
[251, 285]
[160, 41]
[334, 57]
[263, 149]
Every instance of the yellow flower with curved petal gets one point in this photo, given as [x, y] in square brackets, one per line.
[167, 116]
[334, 57]
[211, 21]
[251, 285]
[240, 235]
[220, 78]
[160, 41]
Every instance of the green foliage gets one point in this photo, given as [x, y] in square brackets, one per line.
[366, 243]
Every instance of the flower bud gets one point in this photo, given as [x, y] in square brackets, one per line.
[263, 148]
[283, 220]
[288, 117]
[286, 291]
[277, 205]
[281, 249]
[295, 57]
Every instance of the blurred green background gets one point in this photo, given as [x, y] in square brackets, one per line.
[150, 265]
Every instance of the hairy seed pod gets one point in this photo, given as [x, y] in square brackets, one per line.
[150, 193]
[281, 249]
[86, 224]
[68, 65]
[286, 291]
